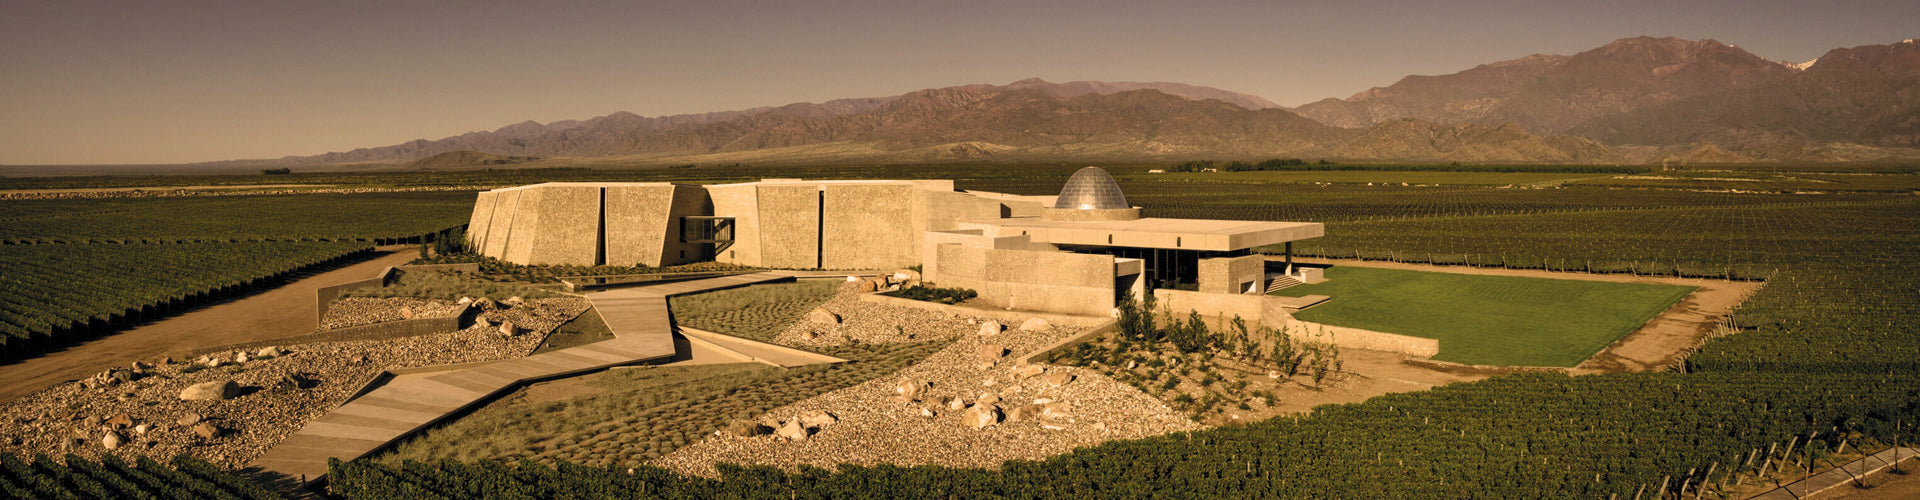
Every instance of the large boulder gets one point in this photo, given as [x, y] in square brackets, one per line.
[818, 419]
[748, 428]
[792, 431]
[823, 317]
[1058, 379]
[980, 416]
[1035, 325]
[1055, 411]
[112, 440]
[211, 391]
[990, 328]
[507, 329]
[1023, 413]
[987, 355]
[206, 430]
[1029, 371]
[910, 389]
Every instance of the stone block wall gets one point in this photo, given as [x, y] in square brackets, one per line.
[1216, 309]
[1060, 282]
[868, 226]
[1232, 275]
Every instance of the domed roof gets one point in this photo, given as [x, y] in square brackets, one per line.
[1091, 188]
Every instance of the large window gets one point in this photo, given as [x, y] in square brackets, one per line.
[702, 229]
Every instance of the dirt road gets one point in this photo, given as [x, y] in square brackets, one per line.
[279, 312]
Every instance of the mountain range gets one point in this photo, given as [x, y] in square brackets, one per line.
[1633, 100]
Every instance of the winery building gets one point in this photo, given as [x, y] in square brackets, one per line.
[1076, 253]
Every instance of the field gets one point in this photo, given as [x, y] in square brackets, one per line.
[1827, 351]
[625, 417]
[757, 312]
[1488, 320]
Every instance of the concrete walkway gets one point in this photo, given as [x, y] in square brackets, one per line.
[408, 402]
[1838, 476]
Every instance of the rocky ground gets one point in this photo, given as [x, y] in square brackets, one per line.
[357, 311]
[969, 405]
[140, 409]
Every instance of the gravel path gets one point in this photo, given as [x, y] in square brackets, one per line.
[68, 418]
[876, 427]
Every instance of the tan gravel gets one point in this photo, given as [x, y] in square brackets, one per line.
[876, 428]
[55, 420]
[357, 311]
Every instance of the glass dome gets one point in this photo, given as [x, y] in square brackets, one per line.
[1091, 188]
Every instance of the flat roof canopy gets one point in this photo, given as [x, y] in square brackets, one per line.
[1170, 234]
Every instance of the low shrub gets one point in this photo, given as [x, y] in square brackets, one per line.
[931, 294]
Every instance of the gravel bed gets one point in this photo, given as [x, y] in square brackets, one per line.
[874, 427]
[357, 311]
[868, 322]
[61, 419]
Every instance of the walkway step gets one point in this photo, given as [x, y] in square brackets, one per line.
[643, 330]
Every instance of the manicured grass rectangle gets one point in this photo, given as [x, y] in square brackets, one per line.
[1489, 320]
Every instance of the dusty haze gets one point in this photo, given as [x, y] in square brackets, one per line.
[163, 81]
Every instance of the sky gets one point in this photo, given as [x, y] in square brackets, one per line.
[164, 81]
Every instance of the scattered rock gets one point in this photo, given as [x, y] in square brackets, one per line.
[515, 301]
[241, 359]
[1023, 413]
[91, 422]
[1029, 371]
[792, 431]
[406, 313]
[269, 352]
[910, 388]
[112, 440]
[142, 429]
[293, 381]
[1058, 379]
[189, 419]
[748, 428]
[987, 398]
[823, 317]
[141, 367]
[206, 430]
[1035, 325]
[166, 360]
[211, 362]
[507, 328]
[464, 301]
[869, 286]
[927, 412]
[809, 336]
[956, 404]
[122, 375]
[486, 303]
[979, 416]
[818, 419]
[120, 421]
[1055, 411]
[990, 328]
[211, 391]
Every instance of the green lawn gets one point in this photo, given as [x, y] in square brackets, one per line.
[1489, 320]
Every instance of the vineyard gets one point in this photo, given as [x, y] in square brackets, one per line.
[373, 217]
[74, 268]
[53, 295]
[1827, 352]
[75, 478]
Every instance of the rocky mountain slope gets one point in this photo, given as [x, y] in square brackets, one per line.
[1551, 94]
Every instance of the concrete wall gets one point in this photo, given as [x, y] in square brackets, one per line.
[789, 226]
[556, 224]
[1060, 282]
[506, 204]
[742, 202]
[1216, 309]
[1232, 274]
[639, 224]
[869, 226]
[482, 218]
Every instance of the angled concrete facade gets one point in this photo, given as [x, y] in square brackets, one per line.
[1019, 252]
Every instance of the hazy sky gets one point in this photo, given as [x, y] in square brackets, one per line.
[160, 81]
